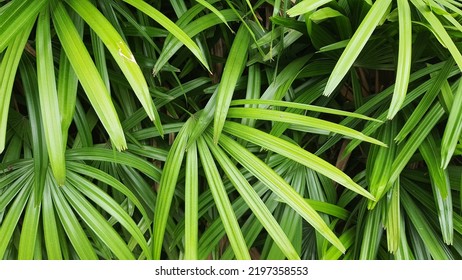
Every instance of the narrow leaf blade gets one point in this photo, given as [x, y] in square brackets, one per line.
[356, 44]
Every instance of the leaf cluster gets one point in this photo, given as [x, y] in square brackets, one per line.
[219, 129]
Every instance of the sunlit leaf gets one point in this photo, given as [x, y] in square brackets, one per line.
[88, 75]
[356, 44]
[233, 69]
[404, 57]
[121, 53]
[8, 66]
[280, 187]
[295, 153]
[306, 6]
[222, 202]
[49, 106]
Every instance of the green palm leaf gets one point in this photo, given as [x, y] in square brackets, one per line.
[279, 116]
[167, 186]
[404, 57]
[222, 202]
[306, 6]
[50, 225]
[233, 69]
[8, 66]
[49, 106]
[253, 200]
[121, 53]
[439, 30]
[295, 153]
[171, 27]
[453, 128]
[191, 203]
[88, 75]
[71, 224]
[280, 187]
[356, 44]
[12, 218]
[16, 17]
[27, 242]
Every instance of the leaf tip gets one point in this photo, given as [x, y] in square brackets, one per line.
[391, 115]
[155, 71]
[121, 146]
[327, 91]
[444, 161]
[291, 13]
[380, 143]
[341, 247]
[60, 177]
[216, 138]
[372, 198]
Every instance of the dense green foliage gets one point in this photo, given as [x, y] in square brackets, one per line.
[230, 129]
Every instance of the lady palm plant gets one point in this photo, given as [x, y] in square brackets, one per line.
[230, 129]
